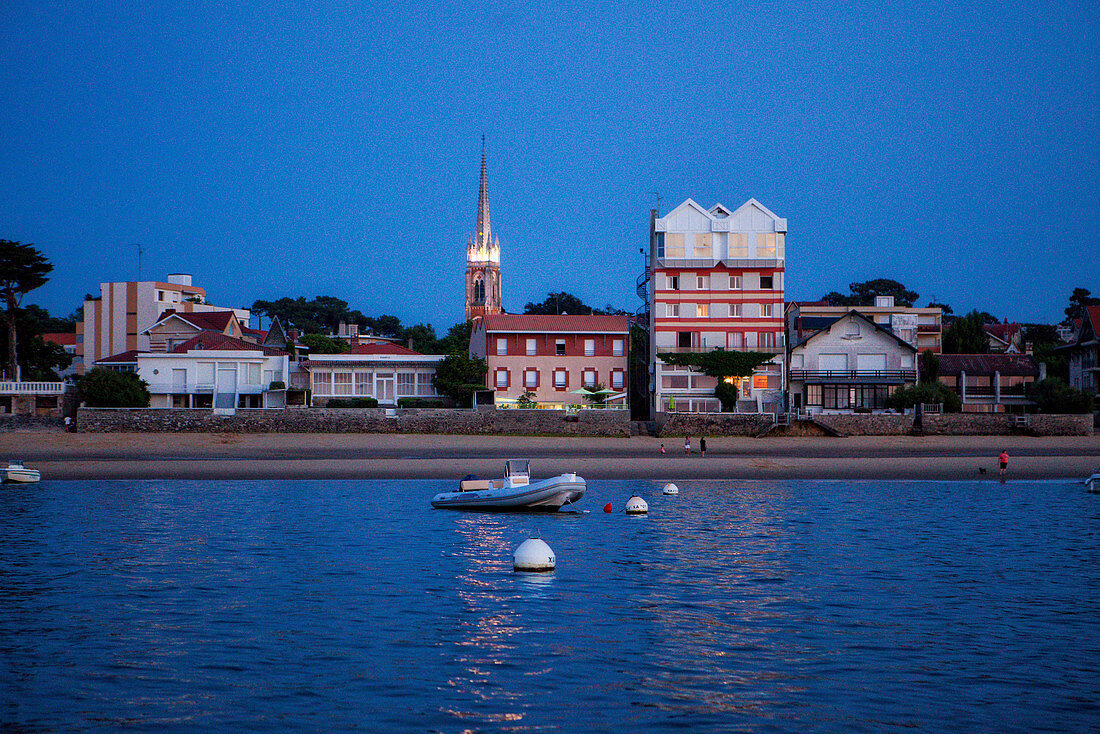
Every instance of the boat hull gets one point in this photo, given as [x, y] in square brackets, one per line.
[21, 476]
[546, 496]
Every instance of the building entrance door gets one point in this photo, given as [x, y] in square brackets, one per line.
[225, 395]
[384, 386]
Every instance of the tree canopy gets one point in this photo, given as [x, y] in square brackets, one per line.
[458, 376]
[104, 388]
[966, 335]
[1079, 300]
[718, 363]
[39, 360]
[863, 294]
[22, 269]
[567, 303]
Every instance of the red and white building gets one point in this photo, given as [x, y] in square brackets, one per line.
[717, 283]
[552, 356]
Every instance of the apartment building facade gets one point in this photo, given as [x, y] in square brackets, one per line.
[552, 357]
[717, 282]
[115, 322]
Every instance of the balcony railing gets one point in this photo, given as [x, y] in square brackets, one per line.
[32, 388]
[701, 349]
[181, 388]
[861, 375]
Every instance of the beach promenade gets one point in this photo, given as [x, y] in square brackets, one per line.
[377, 456]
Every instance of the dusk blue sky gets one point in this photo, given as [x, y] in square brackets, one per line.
[334, 148]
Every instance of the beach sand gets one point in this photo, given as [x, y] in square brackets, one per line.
[377, 456]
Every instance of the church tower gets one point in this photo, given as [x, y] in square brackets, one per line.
[482, 257]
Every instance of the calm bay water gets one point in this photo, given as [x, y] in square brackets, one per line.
[760, 606]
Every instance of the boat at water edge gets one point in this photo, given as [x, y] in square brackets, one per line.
[514, 493]
[16, 473]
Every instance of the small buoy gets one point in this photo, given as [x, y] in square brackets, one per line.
[671, 488]
[533, 555]
[636, 506]
[607, 507]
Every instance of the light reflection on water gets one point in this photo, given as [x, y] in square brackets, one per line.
[735, 605]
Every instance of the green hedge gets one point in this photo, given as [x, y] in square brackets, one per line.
[425, 403]
[352, 403]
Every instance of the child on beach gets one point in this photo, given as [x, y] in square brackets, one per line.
[687, 445]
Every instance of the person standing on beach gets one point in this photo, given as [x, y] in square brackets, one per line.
[1003, 458]
[703, 446]
[662, 448]
[687, 445]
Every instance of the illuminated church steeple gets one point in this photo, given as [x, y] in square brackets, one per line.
[483, 257]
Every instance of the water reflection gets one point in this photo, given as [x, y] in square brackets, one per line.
[487, 622]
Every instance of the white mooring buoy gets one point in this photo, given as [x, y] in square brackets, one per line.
[671, 488]
[636, 506]
[533, 555]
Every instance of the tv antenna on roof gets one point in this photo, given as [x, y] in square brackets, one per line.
[658, 195]
[138, 246]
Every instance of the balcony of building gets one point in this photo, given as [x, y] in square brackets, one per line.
[840, 376]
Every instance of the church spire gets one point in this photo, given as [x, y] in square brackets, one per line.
[484, 228]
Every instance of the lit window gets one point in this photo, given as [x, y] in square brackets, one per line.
[739, 244]
[703, 310]
[766, 310]
[765, 245]
[760, 382]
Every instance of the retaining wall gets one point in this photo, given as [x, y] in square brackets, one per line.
[876, 424]
[714, 424]
[360, 420]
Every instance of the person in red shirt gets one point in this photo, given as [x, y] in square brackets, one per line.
[1003, 458]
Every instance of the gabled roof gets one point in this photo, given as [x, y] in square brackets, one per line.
[380, 348]
[1004, 333]
[127, 357]
[856, 315]
[986, 364]
[213, 320]
[217, 341]
[761, 207]
[556, 324]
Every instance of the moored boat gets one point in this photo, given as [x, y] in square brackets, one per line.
[515, 492]
[1093, 483]
[16, 473]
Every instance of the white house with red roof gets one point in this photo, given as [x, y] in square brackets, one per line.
[215, 370]
[383, 371]
[174, 328]
[552, 357]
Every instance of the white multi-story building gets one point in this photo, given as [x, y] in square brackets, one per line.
[214, 370]
[115, 322]
[717, 283]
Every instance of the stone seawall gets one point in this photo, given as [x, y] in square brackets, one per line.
[9, 422]
[714, 424]
[876, 424]
[352, 420]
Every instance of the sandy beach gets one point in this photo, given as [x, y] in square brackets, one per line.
[376, 456]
